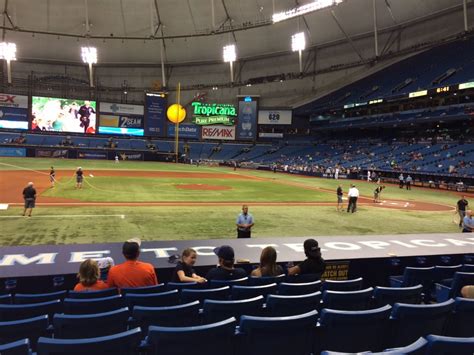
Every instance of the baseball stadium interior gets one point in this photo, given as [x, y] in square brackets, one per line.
[158, 120]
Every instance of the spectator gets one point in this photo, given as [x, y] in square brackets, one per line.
[132, 273]
[468, 291]
[184, 271]
[461, 209]
[225, 270]
[268, 265]
[468, 222]
[89, 277]
[314, 264]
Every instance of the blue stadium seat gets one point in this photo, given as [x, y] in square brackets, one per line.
[468, 268]
[221, 283]
[6, 299]
[351, 331]
[168, 298]
[266, 280]
[289, 305]
[23, 311]
[19, 347]
[348, 300]
[413, 276]
[92, 305]
[215, 311]
[22, 298]
[277, 335]
[182, 285]
[209, 339]
[442, 272]
[438, 345]
[417, 348]
[302, 288]
[411, 321]
[73, 326]
[182, 315]
[344, 353]
[147, 289]
[303, 278]
[391, 295]
[190, 295]
[31, 328]
[93, 294]
[125, 343]
[461, 318]
[460, 280]
[347, 285]
[244, 292]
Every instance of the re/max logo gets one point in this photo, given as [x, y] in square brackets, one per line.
[7, 98]
[218, 132]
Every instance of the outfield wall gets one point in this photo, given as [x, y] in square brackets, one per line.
[37, 268]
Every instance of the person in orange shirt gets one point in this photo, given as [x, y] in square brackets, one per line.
[132, 273]
[89, 277]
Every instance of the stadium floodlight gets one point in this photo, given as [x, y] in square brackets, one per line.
[230, 55]
[8, 53]
[89, 56]
[298, 44]
[304, 9]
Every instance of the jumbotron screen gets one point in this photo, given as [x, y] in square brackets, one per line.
[63, 115]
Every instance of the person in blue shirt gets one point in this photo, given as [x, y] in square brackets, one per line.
[244, 223]
[468, 222]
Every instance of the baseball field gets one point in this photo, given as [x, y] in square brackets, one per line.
[161, 201]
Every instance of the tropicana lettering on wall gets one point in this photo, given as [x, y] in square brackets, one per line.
[210, 114]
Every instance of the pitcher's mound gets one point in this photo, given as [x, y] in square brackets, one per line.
[202, 187]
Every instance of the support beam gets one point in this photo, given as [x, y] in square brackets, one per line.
[86, 8]
[346, 35]
[376, 39]
[464, 6]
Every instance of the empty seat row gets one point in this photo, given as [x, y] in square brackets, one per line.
[399, 325]
[355, 331]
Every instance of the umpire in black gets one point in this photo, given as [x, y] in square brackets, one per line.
[29, 195]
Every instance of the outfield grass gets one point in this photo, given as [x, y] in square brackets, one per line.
[56, 225]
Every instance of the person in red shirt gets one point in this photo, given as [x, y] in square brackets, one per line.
[132, 273]
[89, 277]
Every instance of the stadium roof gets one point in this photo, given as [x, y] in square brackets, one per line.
[131, 31]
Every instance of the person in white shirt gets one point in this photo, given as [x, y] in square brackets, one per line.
[336, 173]
[353, 195]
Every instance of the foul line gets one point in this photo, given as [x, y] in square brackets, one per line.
[122, 216]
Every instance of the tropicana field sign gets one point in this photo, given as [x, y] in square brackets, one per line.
[209, 114]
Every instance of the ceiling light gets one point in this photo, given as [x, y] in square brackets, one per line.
[304, 9]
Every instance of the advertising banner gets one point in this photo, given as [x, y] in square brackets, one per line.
[218, 132]
[12, 152]
[186, 130]
[130, 156]
[121, 119]
[121, 109]
[275, 117]
[155, 114]
[14, 101]
[51, 153]
[247, 122]
[13, 111]
[205, 114]
[91, 155]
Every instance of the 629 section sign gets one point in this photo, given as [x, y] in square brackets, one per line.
[218, 132]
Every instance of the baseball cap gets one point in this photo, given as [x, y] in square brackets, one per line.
[135, 240]
[225, 252]
[311, 248]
